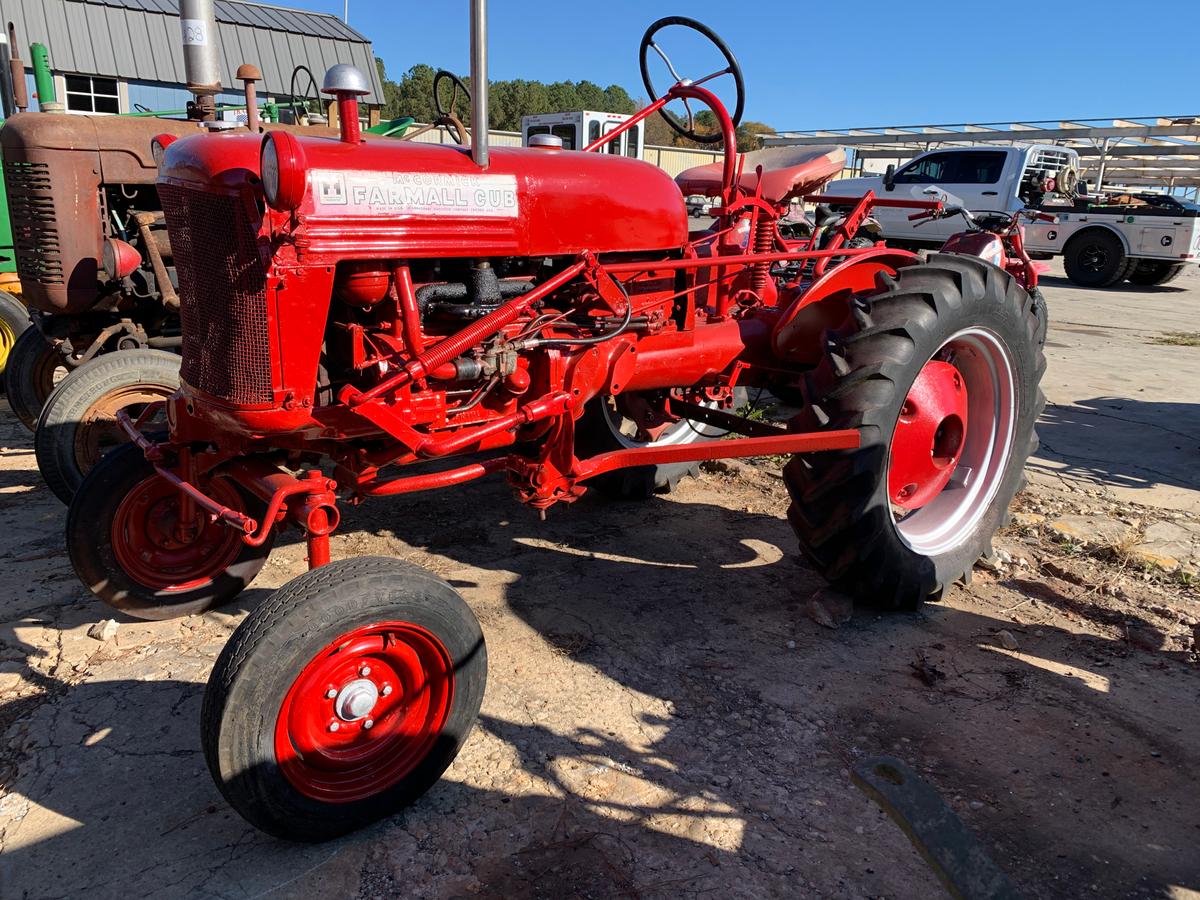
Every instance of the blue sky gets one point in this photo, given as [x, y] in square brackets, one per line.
[859, 63]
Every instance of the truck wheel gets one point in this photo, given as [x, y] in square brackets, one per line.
[1096, 258]
[33, 368]
[1153, 272]
[125, 541]
[604, 427]
[78, 421]
[14, 320]
[939, 372]
[343, 697]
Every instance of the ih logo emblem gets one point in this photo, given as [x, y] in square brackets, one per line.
[331, 188]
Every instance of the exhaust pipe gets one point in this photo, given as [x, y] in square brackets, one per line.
[200, 66]
[479, 84]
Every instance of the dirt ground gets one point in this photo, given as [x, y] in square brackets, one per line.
[665, 717]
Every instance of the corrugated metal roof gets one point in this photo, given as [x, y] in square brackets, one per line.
[140, 40]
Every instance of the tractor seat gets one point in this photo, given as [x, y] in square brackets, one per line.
[786, 172]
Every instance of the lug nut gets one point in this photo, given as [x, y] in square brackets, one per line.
[330, 694]
[368, 724]
[334, 726]
[387, 689]
[364, 671]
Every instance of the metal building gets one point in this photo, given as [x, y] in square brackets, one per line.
[119, 56]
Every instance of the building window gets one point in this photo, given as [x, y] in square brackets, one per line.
[88, 94]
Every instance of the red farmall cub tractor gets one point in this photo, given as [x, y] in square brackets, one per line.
[353, 313]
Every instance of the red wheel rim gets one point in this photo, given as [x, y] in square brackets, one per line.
[364, 712]
[158, 550]
[929, 437]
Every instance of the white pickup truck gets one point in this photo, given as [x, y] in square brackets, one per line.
[1101, 244]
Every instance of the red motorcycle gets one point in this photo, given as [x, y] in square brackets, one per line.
[998, 238]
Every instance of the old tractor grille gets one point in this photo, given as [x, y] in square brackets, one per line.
[31, 209]
[222, 291]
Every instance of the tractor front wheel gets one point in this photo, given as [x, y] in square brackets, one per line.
[33, 367]
[78, 423]
[343, 697]
[940, 373]
[14, 320]
[134, 545]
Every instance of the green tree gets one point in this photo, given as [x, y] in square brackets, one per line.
[509, 100]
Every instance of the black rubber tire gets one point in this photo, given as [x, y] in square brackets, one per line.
[1042, 313]
[29, 375]
[1114, 266]
[55, 438]
[1153, 272]
[89, 541]
[15, 318]
[840, 510]
[269, 649]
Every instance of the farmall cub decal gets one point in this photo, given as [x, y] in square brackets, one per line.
[415, 194]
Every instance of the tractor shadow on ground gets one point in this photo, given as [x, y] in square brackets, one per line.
[1123, 442]
[688, 603]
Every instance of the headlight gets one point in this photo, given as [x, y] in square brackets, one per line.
[158, 147]
[119, 259]
[282, 170]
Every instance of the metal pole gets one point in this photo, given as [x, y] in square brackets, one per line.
[1103, 162]
[199, 31]
[479, 84]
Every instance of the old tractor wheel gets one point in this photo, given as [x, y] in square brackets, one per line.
[343, 697]
[78, 421]
[606, 425]
[34, 366]
[130, 543]
[1096, 258]
[1153, 272]
[940, 373]
[1041, 312]
[14, 320]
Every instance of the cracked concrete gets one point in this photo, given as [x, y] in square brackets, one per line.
[662, 717]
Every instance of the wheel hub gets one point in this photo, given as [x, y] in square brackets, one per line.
[160, 549]
[356, 700]
[364, 712]
[929, 436]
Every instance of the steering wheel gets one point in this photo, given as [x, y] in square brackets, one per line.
[311, 94]
[731, 69]
[446, 117]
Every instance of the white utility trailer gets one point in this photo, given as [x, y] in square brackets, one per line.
[578, 129]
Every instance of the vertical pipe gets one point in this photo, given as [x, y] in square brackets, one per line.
[43, 80]
[347, 110]
[479, 83]
[198, 25]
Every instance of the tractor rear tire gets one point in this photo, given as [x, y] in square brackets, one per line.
[1153, 272]
[14, 320]
[121, 543]
[29, 375]
[958, 315]
[77, 424]
[343, 697]
[1096, 258]
[599, 430]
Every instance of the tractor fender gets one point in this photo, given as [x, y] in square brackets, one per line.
[796, 336]
[1100, 226]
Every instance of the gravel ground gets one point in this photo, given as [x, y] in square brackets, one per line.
[665, 717]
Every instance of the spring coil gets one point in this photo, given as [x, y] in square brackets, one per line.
[764, 242]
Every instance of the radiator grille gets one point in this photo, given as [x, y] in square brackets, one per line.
[222, 293]
[31, 209]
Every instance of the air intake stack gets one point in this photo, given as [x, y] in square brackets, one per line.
[201, 69]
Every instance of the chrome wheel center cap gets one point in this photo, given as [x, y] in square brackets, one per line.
[356, 700]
